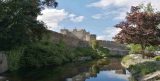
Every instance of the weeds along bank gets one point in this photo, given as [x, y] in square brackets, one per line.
[49, 52]
[140, 67]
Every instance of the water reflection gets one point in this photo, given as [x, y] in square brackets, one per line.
[101, 70]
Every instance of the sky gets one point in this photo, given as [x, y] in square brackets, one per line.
[95, 16]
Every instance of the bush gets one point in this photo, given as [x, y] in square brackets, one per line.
[134, 48]
[47, 53]
[14, 57]
[142, 69]
[44, 54]
[87, 51]
[157, 58]
[125, 59]
[103, 52]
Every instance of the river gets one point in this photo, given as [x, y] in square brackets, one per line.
[97, 70]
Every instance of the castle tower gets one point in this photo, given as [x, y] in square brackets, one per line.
[93, 37]
[64, 31]
[80, 34]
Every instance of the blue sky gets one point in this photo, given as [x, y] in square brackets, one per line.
[96, 16]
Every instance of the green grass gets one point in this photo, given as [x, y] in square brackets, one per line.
[142, 69]
[157, 58]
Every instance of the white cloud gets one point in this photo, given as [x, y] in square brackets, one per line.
[97, 16]
[122, 6]
[116, 14]
[52, 17]
[75, 18]
[108, 33]
[105, 3]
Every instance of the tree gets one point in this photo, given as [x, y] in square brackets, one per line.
[140, 27]
[18, 23]
[94, 44]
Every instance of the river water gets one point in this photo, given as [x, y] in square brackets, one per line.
[98, 70]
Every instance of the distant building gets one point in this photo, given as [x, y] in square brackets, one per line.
[81, 34]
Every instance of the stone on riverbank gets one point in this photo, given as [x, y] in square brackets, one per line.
[3, 62]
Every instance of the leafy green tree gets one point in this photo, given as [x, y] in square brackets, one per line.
[18, 23]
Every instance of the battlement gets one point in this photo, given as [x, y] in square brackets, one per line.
[81, 34]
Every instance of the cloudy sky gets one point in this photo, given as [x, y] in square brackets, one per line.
[96, 16]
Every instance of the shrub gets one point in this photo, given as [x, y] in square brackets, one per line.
[14, 57]
[143, 69]
[103, 52]
[157, 58]
[43, 54]
[126, 59]
[134, 48]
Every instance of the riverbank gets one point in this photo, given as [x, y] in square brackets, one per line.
[45, 53]
[140, 67]
[95, 70]
[133, 59]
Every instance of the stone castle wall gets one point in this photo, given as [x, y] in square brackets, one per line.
[68, 40]
[115, 48]
[79, 33]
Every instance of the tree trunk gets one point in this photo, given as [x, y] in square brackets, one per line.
[143, 48]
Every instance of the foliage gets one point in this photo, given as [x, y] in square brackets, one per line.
[140, 27]
[142, 69]
[103, 52]
[18, 23]
[134, 48]
[152, 48]
[88, 51]
[45, 54]
[14, 56]
[94, 44]
[157, 58]
[126, 59]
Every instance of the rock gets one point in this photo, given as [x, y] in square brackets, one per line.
[3, 62]
[151, 76]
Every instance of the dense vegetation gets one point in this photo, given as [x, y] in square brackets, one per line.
[136, 48]
[157, 58]
[48, 53]
[142, 69]
[18, 23]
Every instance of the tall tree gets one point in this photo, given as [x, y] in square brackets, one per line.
[140, 27]
[18, 23]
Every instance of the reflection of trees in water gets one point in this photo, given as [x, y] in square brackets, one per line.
[94, 69]
[69, 72]
[100, 65]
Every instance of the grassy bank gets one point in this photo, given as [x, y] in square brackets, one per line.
[140, 70]
[139, 67]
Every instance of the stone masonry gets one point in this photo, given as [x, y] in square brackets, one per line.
[79, 33]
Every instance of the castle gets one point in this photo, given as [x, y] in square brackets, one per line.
[81, 34]
[85, 36]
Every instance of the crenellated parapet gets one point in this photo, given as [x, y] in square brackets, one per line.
[81, 34]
